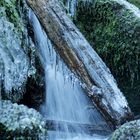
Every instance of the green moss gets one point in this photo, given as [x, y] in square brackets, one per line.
[114, 32]
[12, 12]
[65, 7]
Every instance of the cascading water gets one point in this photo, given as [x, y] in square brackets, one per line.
[71, 6]
[65, 100]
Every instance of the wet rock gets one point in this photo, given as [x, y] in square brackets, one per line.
[14, 63]
[21, 72]
[20, 122]
[35, 85]
[128, 131]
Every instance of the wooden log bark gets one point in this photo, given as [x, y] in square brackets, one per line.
[82, 60]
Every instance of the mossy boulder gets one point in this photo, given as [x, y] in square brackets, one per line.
[128, 131]
[20, 122]
[11, 12]
[113, 29]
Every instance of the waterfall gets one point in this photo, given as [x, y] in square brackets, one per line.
[71, 6]
[65, 99]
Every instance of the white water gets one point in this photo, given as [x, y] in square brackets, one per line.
[65, 100]
[71, 6]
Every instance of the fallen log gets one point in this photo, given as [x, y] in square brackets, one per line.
[82, 60]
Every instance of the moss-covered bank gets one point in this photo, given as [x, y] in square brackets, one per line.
[12, 12]
[113, 29]
[135, 2]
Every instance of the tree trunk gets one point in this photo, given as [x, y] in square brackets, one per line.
[82, 60]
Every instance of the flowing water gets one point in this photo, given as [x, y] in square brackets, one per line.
[65, 100]
[71, 6]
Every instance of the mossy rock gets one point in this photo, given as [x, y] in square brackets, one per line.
[12, 13]
[113, 29]
[128, 131]
[135, 2]
[20, 122]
